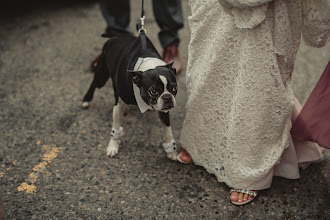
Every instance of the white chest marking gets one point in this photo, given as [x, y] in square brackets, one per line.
[149, 63]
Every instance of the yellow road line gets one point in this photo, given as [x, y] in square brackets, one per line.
[8, 169]
[51, 153]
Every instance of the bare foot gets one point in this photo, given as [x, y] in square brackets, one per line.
[184, 157]
[239, 197]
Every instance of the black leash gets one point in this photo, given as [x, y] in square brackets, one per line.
[140, 28]
[142, 10]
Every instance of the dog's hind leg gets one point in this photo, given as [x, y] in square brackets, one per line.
[117, 131]
[89, 95]
[170, 145]
[101, 76]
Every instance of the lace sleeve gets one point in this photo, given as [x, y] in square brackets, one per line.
[316, 22]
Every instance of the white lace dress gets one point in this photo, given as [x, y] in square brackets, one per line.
[240, 101]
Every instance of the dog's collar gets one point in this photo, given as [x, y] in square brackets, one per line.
[144, 64]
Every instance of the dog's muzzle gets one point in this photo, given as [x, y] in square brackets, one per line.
[168, 101]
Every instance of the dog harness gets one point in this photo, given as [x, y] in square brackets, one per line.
[128, 61]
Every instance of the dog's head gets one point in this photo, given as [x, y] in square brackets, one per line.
[158, 87]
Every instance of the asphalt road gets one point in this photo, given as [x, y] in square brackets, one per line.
[53, 163]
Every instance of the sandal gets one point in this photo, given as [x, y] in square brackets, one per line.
[185, 153]
[249, 192]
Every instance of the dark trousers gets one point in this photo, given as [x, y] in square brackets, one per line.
[167, 13]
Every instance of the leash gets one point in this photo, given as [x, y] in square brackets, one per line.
[140, 28]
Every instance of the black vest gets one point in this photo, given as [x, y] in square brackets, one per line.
[127, 62]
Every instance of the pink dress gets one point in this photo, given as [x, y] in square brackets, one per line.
[313, 122]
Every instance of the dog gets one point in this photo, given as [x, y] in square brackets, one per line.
[139, 77]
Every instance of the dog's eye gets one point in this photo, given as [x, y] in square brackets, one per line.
[174, 89]
[153, 92]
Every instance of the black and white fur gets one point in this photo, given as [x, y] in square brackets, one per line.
[154, 79]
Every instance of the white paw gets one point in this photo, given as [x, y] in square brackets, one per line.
[172, 155]
[113, 147]
[85, 104]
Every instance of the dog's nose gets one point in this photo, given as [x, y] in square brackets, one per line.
[167, 97]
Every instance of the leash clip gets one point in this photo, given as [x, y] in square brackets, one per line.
[142, 25]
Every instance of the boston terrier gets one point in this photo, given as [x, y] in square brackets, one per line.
[139, 77]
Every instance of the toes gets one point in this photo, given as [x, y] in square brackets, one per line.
[245, 197]
[184, 156]
[111, 152]
[234, 196]
[184, 153]
[113, 147]
[240, 197]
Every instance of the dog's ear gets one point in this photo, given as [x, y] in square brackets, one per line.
[170, 66]
[136, 76]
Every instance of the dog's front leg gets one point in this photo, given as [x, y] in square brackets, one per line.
[117, 130]
[170, 145]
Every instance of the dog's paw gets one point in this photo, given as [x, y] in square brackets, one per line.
[172, 155]
[85, 104]
[112, 149]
